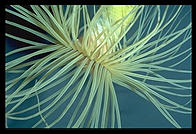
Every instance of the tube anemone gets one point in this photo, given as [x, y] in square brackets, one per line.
[67, 77]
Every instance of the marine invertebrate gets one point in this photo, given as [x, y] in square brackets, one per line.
[85, 54]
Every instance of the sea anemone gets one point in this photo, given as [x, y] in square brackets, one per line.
[72, 57]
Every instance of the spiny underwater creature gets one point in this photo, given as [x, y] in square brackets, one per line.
[86, 51]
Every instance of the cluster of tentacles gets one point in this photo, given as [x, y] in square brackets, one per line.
[79, 63]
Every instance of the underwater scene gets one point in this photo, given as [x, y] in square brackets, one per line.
[98, 66]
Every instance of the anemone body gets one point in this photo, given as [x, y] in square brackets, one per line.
[70, 78]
